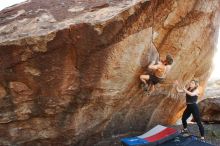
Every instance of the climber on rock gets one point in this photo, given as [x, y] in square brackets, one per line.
[160, 70]
[192, 94]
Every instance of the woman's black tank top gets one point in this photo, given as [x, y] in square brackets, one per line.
[191, 99]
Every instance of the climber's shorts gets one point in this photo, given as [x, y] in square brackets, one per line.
[154, 79]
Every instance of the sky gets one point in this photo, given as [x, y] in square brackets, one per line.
[216, 62]
[216, 59]
[7, 3]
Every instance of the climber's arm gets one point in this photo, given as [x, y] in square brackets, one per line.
[153, 66]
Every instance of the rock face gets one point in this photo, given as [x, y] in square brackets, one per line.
[70, 69]
[210, 110]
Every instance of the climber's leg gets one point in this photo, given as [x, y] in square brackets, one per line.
[144, 78]
[150, 89]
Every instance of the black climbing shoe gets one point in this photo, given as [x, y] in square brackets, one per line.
[184, 131]
[141, 85]
[144, 87]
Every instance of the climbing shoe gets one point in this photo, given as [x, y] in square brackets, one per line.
[202, 139]
[185, 132]
[144, 87]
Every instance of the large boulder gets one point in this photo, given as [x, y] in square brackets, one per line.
[213, 89]
[70, 68]
[210, 110]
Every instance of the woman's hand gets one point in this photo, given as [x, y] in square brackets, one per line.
[184, 89]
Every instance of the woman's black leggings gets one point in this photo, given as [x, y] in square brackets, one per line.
[194, 110]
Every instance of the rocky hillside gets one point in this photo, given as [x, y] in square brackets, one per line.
[69, 69]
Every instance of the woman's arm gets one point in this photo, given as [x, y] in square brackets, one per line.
[194, 93]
